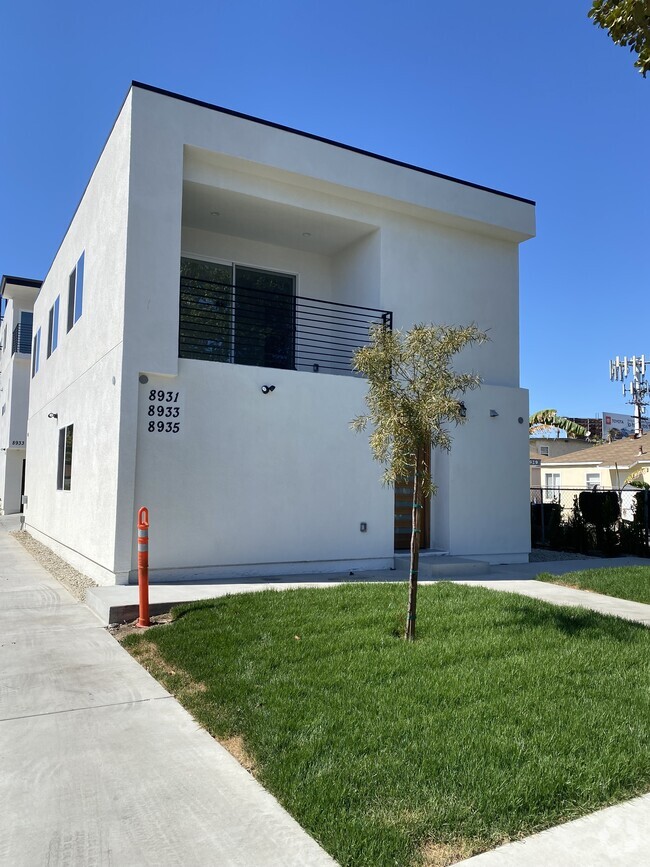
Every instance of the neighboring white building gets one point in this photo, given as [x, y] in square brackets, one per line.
[159, 390]
[19, 295]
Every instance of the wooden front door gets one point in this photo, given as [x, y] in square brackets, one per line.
[404, 513]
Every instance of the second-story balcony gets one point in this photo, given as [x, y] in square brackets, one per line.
[223, 322]
[22, 339]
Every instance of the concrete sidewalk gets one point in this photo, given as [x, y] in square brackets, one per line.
[618, 836]
[99, 765]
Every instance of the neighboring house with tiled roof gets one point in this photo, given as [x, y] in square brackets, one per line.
[607, 466]
[541, 448]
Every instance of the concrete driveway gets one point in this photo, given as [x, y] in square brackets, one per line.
[99, 765]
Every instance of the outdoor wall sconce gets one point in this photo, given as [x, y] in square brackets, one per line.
[493, 413]
[267, 388]
[462, 409]
[52, 415]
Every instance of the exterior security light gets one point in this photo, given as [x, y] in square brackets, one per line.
[52, 415]
[267, 388]
[493, 413]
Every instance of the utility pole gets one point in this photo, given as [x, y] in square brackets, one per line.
[637, 388]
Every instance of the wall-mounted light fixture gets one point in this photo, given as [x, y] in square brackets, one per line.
[462, 409]
[493, 413]
[52, 415]
[267, 388]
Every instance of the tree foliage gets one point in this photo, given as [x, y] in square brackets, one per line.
[413, 395]
[628, 24]
[546, 419]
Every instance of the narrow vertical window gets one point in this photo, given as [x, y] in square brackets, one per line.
[76, 292]
[71, 293]
[79, 289]
[53, 328]
[50, 332]
[36, 351]
[61, 459]
[64, 468]
[55, 324]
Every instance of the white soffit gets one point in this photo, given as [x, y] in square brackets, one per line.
[226, 212]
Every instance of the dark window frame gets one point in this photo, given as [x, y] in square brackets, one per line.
[64, 467]
[53, 327]
[36, 352]
[76, 292]
[50, 331]
[72, 287]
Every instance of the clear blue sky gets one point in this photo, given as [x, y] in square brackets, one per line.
[528, 98]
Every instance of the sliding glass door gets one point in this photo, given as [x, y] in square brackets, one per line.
[206, 315]
[264, 318]
[236, 314]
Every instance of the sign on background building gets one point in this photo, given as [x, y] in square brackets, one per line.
[622, 423]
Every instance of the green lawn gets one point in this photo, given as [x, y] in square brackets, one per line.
[624, 582]
[506, 716]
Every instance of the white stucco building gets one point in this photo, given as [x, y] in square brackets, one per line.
[207, 294]
[18, 294]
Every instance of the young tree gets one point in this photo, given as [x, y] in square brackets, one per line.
[413, 393]
[628, 23]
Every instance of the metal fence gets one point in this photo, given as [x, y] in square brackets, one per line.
[22, 339]
[555, 511]
[220, 322]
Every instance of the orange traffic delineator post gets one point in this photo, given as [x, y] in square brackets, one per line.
[143, 565]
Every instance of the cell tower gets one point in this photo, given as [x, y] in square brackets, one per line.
[620, 369]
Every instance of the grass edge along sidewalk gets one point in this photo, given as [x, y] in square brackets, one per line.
[621, 582]
[507, 716]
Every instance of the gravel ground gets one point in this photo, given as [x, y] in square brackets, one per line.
[72, 580]
[541, 555]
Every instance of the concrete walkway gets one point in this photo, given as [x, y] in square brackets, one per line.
[99, 765]
[119, 604]
[556, 594]
[616, 837]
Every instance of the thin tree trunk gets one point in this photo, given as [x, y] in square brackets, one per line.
[416, 526]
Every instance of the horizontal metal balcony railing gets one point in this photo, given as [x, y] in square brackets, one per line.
[22, 339]
[220, 322]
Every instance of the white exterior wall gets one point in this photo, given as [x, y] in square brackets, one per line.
[81, 380]
[14, 400]
[485, 482]
[259, 484]
[425, 247]
[313, 271]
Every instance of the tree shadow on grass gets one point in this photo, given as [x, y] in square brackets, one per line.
[574, 622]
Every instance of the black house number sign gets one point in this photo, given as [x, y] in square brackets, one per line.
[163, 411]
